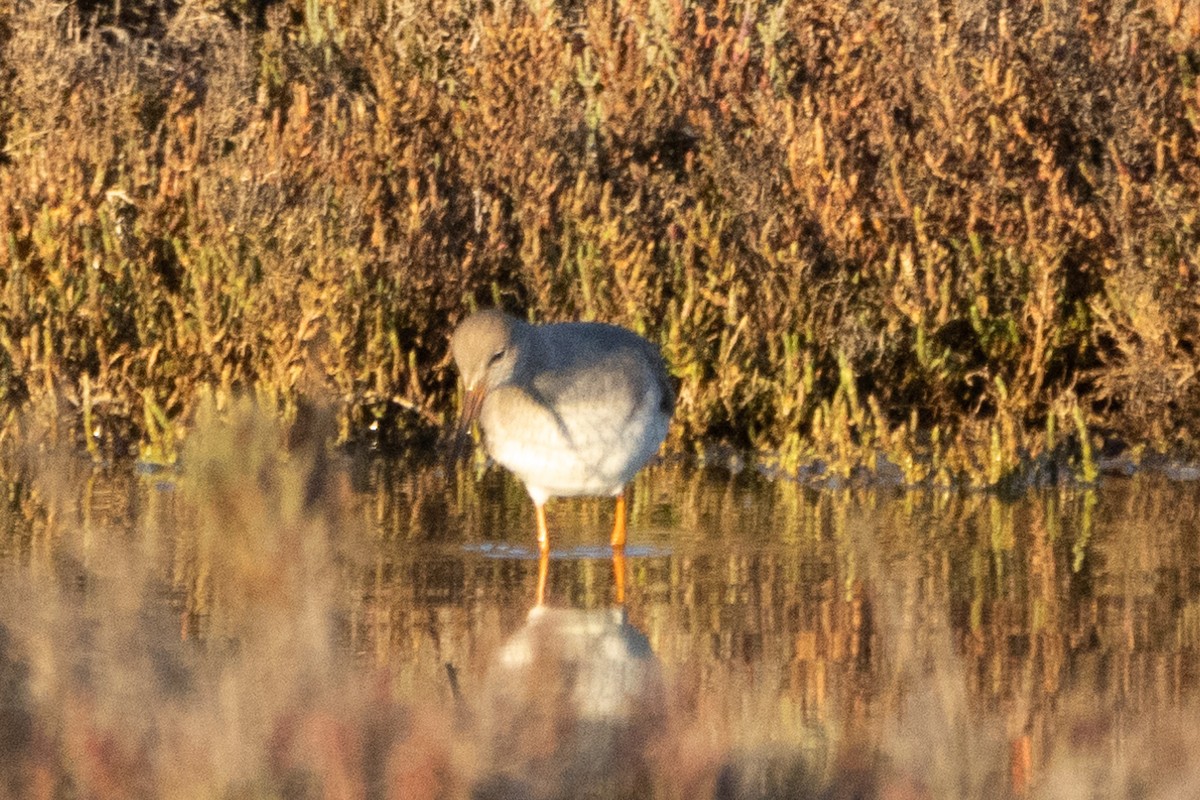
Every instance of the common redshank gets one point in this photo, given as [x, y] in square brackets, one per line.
[571, 408]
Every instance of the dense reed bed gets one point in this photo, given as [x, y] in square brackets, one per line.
[960, 236]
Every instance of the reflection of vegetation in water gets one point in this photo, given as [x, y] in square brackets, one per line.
[1084, 535]
[272, 623]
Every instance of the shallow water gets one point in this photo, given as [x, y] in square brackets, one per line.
[222, 638]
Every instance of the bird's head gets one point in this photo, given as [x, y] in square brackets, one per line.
[486, 347]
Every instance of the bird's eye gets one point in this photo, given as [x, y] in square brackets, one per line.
[496, 356]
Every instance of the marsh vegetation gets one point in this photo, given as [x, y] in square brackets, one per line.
[939, 246]
[960, 238]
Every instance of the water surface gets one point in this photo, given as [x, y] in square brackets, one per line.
[220, 635]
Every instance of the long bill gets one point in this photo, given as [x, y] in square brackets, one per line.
[472, 403]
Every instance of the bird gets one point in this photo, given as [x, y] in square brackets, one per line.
[571, 408]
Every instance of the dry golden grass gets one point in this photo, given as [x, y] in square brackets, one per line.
[957, 236]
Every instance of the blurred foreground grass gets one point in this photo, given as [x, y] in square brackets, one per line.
[959, 236]
[269, 624]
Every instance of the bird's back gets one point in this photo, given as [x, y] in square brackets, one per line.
[582, 360]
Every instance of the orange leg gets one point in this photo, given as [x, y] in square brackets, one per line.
[543, 533]
[618, 534]
[619, 574]
[543, 570]
[618, 548]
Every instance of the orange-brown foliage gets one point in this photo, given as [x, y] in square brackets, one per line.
[932, 232]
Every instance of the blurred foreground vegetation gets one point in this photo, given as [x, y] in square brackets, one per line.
[959, 235]
[272, 624]
[266, 626]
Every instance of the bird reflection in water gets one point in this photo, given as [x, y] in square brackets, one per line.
[573, 703]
